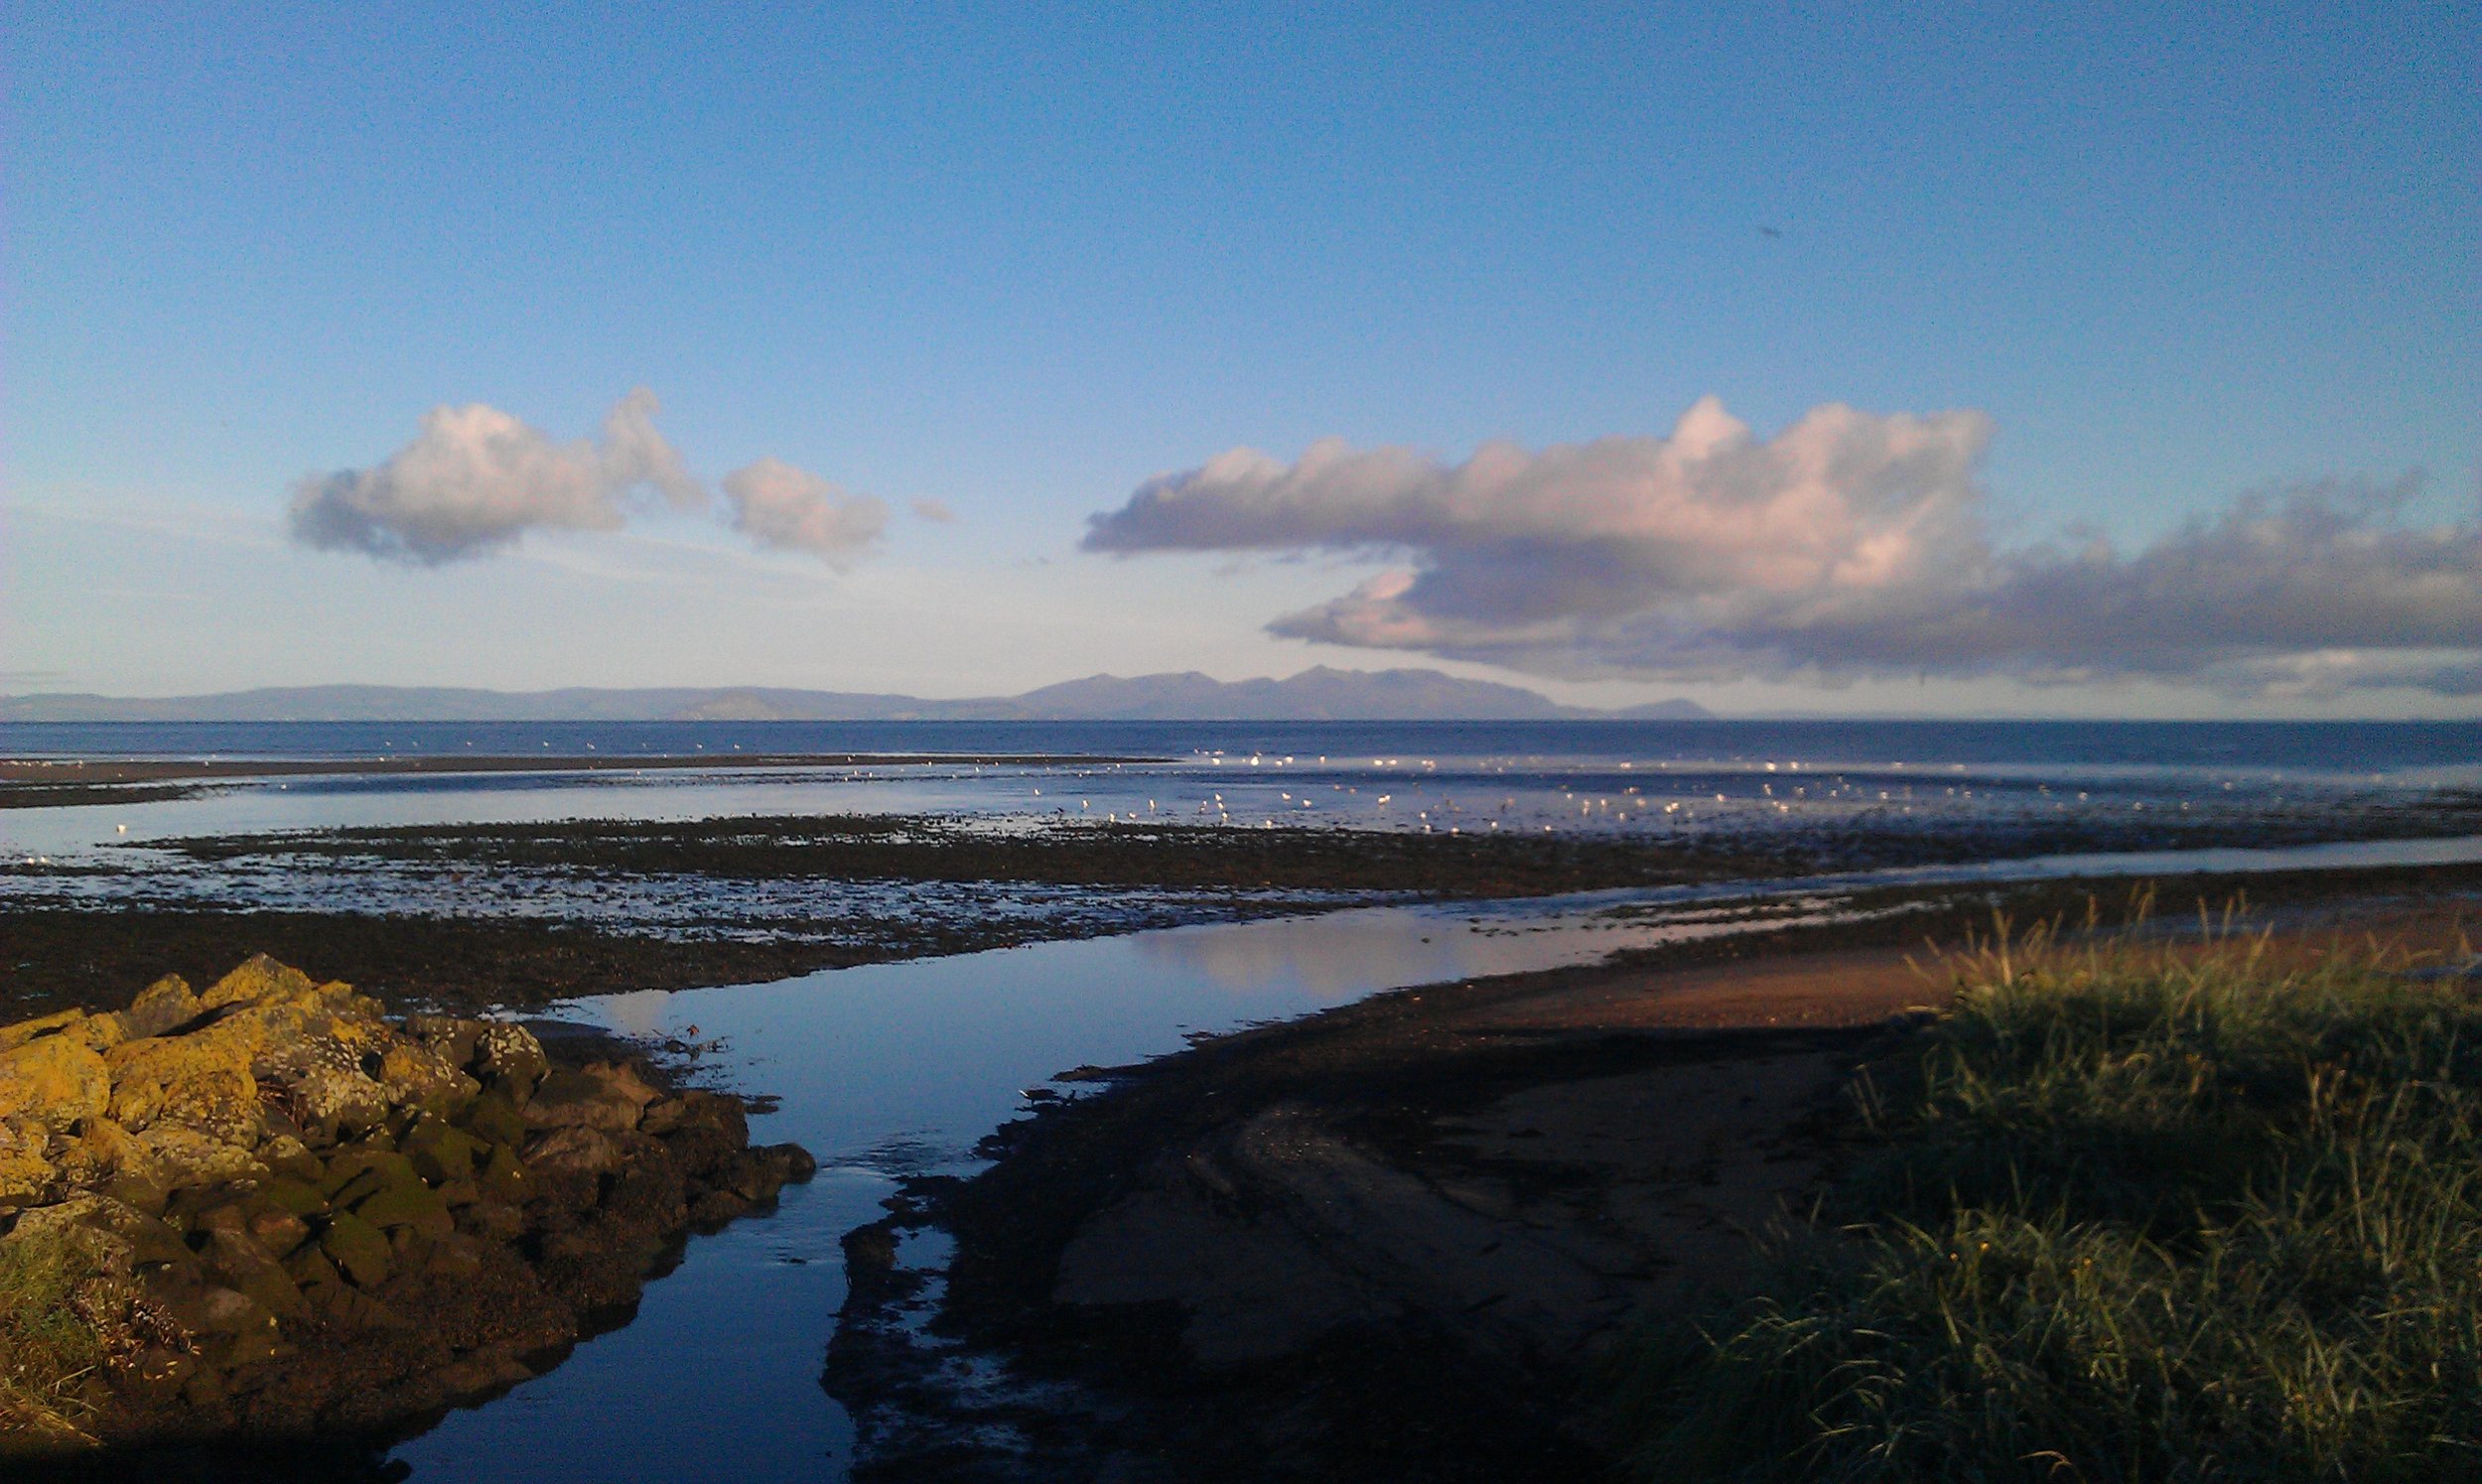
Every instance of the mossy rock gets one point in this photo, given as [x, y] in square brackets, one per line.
[505, 1177]
[442, 1153]
[357, 1249]
[355, 1172]
[300, 1198]
[494, 1118]
[414, 1206]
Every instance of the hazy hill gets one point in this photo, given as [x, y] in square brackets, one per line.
[1319, 694]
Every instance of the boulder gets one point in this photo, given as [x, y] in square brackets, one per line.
[13, 1037]
[357, 1249]
[509, 1057]
[259, 979]
[574, 1150]
[416, 1074]
[602, 1096]
[452, 1039]
[55, 1078]
[103, 1151]
[106, 1233]
[189, 1158]
[189, 1079]
[162, 1007]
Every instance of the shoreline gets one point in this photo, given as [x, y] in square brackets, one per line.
[1437, 1206]
[57, 783]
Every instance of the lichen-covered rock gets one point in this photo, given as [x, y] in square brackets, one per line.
[104, 1150]
[509, 1057]
[189, 1157]
[56, 1078]
[198, 1080]
[161, 1008]
[28, 1175]
[274, 1169]
[13, 1037]
[413, 1073]
[260, 978]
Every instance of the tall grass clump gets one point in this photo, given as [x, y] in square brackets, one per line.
[2171, 1213]
[53, 1316]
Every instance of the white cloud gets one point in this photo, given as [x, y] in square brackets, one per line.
[1850, 544]
[934, 511]
[778, 506]
[475, 478]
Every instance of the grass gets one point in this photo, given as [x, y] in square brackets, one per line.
[54, 1310]
[2136, 1214]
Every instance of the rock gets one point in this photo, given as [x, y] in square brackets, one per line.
[102, 1151]
[494, 1118]
[162, 1007]
[28, 1177]
[481, 1373]
[211, 1309]
[442, 1153]
[357, 1249]
[363, 1169]
[416, 1074]
[261, 978]
[505, 1177]
[335, 1094]
[594, 1098]
[298, 1197]
[286, 1155]
[103, 1233]
[452, 1039]
[509, 1057]
[57, 1079]
[574, 1150]
[491, 1221]
[13, 1037]
[189, 1079]
[187, 1158]
[413, 1205]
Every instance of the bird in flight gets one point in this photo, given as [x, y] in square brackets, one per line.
[1769, 231]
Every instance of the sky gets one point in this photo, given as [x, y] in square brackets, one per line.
[1996, 360]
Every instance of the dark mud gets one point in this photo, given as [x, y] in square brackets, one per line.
[1136, 856]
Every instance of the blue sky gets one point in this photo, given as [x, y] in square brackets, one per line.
[1021, 260]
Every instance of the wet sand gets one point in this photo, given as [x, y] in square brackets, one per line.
[1392, 1240]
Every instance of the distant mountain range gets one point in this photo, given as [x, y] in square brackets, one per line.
[1316, 694]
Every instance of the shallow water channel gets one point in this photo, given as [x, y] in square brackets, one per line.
[891, 1070]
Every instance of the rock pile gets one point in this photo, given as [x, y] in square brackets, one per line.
[302, 1216]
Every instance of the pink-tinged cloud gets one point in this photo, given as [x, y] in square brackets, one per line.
[476, 478]
[1849, 544]
[791, 509]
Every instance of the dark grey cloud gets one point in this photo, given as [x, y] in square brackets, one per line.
[1847, 545]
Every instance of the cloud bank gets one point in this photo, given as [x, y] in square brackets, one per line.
[791, 509]
[1849, 545]
[475, 478]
